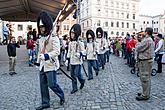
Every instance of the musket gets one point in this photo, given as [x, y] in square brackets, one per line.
[38, 64]
[84, 70]
[66, 74]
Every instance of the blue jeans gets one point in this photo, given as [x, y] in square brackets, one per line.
[76, 73]
[92, 63]
[106, 55]
[101, 60]
[48, 79]
[32, 54]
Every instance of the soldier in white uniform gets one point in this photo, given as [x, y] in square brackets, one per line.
[76, 51]
[106, 54]
[49, 49]
[91, 52]
[101, 46]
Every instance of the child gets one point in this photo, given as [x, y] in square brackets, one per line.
[31, 52]
[91, 51]
[75, 52]
[11, 49]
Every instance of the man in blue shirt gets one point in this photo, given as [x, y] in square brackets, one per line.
[6, 34]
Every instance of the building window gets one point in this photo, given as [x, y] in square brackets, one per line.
[106, 24]
[157, 22]
[112, 32]
[64, 27]
[87, 23]
[127, 25]
[133, 6]
[106, 11]
[147, 22]
[133, 25]
[117, 14]
[122, 24]
[122, 5]
[112, 13]
[67, 27]
[117, 24]
[112, 4]
[112, 24]
[98, 23]
[133, 16]
[99, 11]
[122, 14]
[141, 29]
[98, 2]
[127, 6]
[106, 2]
[29, 26]
[20, 27]
[83, 25]
[117, 4]
[117, 33]
[143, 22]
[122, 33]
[127, 16]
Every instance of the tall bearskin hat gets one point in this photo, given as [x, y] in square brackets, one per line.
[76, 28]
[105, 35]
[99, 29]
[90, 32]
[44, 19]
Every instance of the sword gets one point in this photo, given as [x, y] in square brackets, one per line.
[84, 70]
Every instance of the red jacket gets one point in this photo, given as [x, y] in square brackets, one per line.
[130, 44]
[30, 44]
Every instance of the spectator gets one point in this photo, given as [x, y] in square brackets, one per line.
[159, 51]
[6, 34]
[11, 49]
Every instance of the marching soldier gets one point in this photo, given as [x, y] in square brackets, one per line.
[101, 46]
[49, 49]
[91, 51]
[75, 53]
[145, 51]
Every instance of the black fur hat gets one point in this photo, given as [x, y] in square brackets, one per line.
[76, 28]
[47, 22]
[99, 29]
[91, 33]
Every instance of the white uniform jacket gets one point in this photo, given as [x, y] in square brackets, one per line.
[76, 51]
[53, 50]
[91, 51]
[100, 45]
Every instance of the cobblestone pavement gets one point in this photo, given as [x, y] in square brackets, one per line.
[114, 88]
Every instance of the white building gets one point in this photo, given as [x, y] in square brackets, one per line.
[114, 16]
[21, 28]
[156, 22]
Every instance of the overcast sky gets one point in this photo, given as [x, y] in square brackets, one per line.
[152, 7]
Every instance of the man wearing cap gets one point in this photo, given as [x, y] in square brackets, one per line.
[159, 51]
[145, 51]
[49, 49]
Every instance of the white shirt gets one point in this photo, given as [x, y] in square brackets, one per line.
[160, 47]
